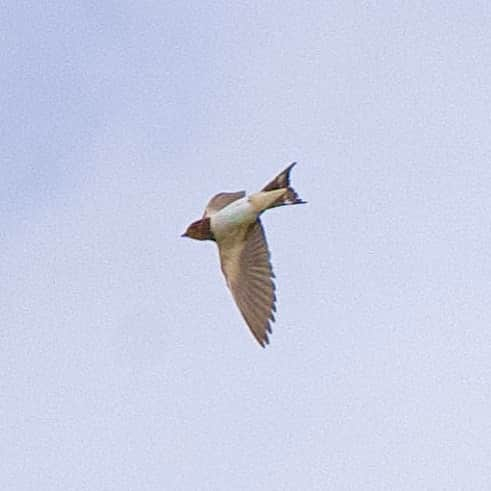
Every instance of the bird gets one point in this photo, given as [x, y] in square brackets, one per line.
[232, 220]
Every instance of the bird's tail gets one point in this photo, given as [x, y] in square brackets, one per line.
[282, 181]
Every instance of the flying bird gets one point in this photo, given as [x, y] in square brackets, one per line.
[232, 221]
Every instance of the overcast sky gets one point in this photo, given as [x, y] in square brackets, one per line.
[125, 363]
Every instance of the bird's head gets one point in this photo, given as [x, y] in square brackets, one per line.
[199, 230]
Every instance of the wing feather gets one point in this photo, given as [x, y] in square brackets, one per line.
[221, 200]
[247, 267]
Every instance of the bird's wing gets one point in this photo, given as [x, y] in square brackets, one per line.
[245, 262]
[221, 200]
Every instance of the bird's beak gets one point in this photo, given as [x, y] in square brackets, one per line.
[184, 234]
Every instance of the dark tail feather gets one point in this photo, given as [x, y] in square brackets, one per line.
[282, 180]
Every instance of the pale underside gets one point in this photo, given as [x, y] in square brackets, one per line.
[245, 262]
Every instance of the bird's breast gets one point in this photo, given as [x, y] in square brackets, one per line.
[232, 218]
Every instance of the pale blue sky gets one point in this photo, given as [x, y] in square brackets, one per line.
[125, 363]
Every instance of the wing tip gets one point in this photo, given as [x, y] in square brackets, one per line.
[263, 339]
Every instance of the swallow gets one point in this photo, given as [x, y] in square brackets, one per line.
[232, 220]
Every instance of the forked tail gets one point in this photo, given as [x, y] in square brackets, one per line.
[282, 181]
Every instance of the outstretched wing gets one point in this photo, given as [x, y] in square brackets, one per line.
[221, 200]
[249, 274]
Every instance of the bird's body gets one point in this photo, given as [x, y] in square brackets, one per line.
[242, 212]
[232, 220]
